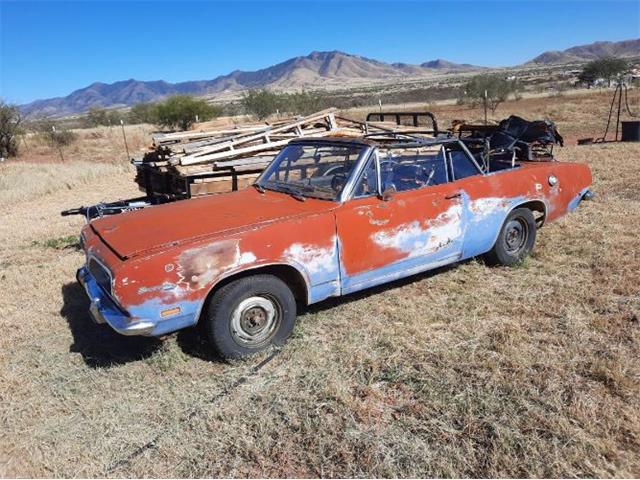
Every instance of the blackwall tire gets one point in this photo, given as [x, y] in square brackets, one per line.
[248, 315]
[515, 240]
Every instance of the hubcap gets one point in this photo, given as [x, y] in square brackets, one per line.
[255, 320]
[515, 235]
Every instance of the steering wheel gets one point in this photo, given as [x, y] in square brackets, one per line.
[338, 182]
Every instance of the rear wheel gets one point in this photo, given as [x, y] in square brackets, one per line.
[249, 314]
[515, 240]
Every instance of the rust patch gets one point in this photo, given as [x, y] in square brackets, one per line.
[199, 266]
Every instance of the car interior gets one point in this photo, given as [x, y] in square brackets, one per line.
[327, 168]
[407, 169]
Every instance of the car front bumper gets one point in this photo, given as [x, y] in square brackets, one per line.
[104, 310]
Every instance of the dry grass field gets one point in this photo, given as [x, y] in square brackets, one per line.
[466, 371]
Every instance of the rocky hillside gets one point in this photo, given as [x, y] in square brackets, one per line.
[581, 53]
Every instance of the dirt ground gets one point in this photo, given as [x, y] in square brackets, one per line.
[466, 371]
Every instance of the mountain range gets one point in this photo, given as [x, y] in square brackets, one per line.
[316, 70]
[592, 51]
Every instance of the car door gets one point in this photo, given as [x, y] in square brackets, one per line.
[382, 239]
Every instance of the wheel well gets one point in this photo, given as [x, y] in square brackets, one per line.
[288, 274]
[539, 210]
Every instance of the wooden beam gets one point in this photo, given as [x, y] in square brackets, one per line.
[210, 153]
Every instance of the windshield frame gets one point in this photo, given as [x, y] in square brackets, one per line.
[351, 180]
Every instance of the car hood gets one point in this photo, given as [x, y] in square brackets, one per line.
[134, 233]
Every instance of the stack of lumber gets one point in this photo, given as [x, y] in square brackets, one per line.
[202, 162]
[187, 164]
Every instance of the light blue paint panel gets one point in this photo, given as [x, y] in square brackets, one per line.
[575, 201]
[482, 229]
[150, 311]
[395, 271]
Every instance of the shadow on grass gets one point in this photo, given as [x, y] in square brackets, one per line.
[193, 342]
[99, 345]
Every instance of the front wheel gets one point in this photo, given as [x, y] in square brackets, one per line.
[515, 240]
[248, 315]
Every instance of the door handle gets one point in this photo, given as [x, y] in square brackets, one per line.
[453, 195]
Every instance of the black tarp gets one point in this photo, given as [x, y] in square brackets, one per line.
[516, 129]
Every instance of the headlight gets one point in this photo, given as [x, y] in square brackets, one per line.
[553, 180]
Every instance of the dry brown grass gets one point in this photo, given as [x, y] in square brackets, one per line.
[20, 181]
[467, 371]
[99, 144]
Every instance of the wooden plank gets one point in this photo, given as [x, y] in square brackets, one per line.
[194, 147]
[211, 187]
[225, 178]
[164, 138]
[208, 188]
[189, 160]
[256, 167]
[246, 151]
[205, 154]
[249, 168]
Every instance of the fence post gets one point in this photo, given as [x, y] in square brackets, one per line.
[124, 136]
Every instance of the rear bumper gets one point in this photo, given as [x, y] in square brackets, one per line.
[104, 310]
[588, 194]
[584, 194]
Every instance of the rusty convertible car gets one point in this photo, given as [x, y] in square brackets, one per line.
[327, 217]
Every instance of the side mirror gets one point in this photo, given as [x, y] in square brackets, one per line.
[388, 193]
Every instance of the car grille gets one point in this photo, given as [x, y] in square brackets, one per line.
[101, 274]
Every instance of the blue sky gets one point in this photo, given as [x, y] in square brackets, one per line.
[52, 48]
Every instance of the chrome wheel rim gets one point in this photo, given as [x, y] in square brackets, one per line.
[255, 321]
[515, 237]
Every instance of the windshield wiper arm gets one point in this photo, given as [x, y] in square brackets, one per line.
[297, 195]
[285, 188]
[258, 187]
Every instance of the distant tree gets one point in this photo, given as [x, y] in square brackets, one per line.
[303, 103]
[10, 120]
[97, 116]
[180, 111]
[143, 113]
[607, 68]
[54, 133]
[261, 103]
[497, 90]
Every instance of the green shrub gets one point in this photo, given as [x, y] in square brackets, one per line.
[54, 133]
[607, 68]
[261, 103]
[180, 111]
[10, 120]
[97, 116]
[143, 113]
[497, 90]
